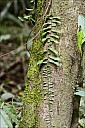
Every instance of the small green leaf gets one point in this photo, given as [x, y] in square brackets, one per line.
[10, 113]
[45, 85]
[44, 39]
[55, 58]
[29, 9]
[81, 22]
[40, 62]
[51, 102]
[52, 95]
[50, 43]
[56, 31]
[4, 120]
[53, 24]
[54, 40]
[45, 89]
[7, 96]
[47, 28]
[51, 83]
[81, 32]
[53, 50]
[51, 92]
[80, 37]
[51, 86]
[57, 17]
[55, 36]
[5, 37]
[44, 33]
[80, 92]
[82, 122]
[50, 18]
[47, 23]
[44, 82]
[53, 62]
[27, 17]
[83, 40]
[56, 21]
[51, 99]
[20, 18]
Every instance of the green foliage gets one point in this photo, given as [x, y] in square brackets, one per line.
[5, 37]
[7, 115]
[50, 56]
[53, 62]
[8, 17]
[54, 51]
[80, 92]
[50, 36]
[82, 111]
[32, 92]
[5, 122]
[15, 8]
[80, 37]
[48, 87]
[50, 39]
[81, 22]
[55, 58]
[81, 32]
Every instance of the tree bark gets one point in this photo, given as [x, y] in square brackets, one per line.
[63, 112]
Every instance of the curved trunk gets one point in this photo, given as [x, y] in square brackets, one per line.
[49, 99]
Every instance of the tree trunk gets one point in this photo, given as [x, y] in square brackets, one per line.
[49, 100]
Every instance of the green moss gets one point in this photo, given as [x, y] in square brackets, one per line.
[40, 7]
[32, 93]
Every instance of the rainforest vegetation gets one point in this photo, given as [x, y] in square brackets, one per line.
[42, 64]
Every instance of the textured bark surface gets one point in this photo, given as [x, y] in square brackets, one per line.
[63, 111]
[68, 76]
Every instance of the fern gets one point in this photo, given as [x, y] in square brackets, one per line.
[50, 38]
[53, 62]
[55, 58]
[54, 51]
[54, 40]
[48, 87]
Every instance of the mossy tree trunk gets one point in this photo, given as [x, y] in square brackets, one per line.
[49, 100]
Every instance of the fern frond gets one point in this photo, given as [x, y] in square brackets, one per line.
[56, 31]
[54, 40]
[42, 61]
[55, 36]
[55, 58]
[57, 17]
[54, 51]
[44, 33]
[56, 21]
[53, 62]
[53, 24]
[47, 23]
[47, 28]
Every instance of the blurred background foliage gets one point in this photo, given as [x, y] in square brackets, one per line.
[16, 22]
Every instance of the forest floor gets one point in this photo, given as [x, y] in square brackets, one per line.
[13, 69]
